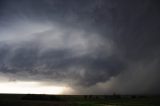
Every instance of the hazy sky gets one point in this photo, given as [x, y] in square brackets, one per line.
[86, 46]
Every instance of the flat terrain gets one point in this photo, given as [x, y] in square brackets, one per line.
[77, 100]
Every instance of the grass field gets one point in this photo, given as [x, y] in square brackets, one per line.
[77, 100]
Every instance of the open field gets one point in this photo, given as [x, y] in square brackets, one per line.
[77, 100]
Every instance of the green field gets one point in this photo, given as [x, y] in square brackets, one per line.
[77, 100]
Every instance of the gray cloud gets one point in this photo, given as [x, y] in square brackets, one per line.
[94, 46]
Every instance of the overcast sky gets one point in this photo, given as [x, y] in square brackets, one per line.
[90, 46]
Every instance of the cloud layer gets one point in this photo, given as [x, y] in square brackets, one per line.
[93, 46]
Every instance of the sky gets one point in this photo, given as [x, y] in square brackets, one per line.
[80, 46]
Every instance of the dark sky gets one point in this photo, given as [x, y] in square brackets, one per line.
[92, 46]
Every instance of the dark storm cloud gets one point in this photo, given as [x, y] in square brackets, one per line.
[95, 46]
[137, 28]
[60, 65]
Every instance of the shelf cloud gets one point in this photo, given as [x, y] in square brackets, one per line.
[91, 46]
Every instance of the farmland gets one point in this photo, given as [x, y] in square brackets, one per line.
[77, 100]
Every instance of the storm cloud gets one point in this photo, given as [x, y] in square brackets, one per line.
[92, 46]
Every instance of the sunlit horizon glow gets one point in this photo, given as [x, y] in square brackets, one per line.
[21, 87]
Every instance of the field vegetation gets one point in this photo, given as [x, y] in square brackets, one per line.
[77, 100]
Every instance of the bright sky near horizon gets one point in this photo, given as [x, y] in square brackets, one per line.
[24, 87]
